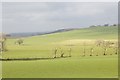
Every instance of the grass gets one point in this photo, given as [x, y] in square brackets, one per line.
[87, 67]
[76, 66]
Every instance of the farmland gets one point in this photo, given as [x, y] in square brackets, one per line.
[79, 65]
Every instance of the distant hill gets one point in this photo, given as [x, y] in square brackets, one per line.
[102, 32]
[107, 33]
[18, 35]
[82, 33]
[28, 34]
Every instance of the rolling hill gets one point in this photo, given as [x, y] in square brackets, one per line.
[44, 44]
[76, 66]
[85, 33]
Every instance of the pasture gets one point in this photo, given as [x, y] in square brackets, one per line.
[77, 43]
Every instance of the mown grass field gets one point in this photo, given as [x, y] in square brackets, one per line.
[76, 66]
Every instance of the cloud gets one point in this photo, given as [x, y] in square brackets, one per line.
[31, 17]
[0, 17]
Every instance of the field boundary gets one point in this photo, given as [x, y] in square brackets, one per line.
[29, 59]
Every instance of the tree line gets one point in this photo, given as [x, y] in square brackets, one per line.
[105, 25]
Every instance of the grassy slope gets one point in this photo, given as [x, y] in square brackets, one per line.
[84, 67]
[86, 33]
[37, 46]
[42, 46]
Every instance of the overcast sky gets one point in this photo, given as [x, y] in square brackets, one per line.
[41, 16]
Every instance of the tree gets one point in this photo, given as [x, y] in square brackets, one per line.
[104, 53]
[62, 53]
[84, 50]
[99, 42]
[106, 24]
[91, 51]
[99, 25]
[70, 52]
[93, 26]
[19, 41]
[114, 24]
[106, 44]
[3, 39]
[116, 48]
[55, 53]
[3, 46]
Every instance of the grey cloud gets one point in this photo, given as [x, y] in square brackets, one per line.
[32, 17]
[0, 17]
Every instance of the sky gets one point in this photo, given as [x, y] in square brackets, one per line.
[49, 16]
[0, 17]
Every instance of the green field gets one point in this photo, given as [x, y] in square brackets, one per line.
[77, 66]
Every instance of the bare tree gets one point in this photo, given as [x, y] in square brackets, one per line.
[97, 54]
[70, 50]
[105, 49]
[116, 48]
[106, 44]
[84, 50]
[62, 53]
[99, 42]
[55, 53]
[3, 46]
[91, 51]
[3, 42]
